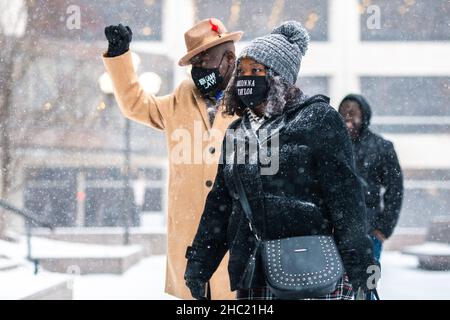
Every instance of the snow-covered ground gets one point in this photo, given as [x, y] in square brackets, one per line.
[21, 282]
[401, 280]
[145, 281]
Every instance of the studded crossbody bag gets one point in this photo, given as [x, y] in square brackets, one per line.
[296, 267]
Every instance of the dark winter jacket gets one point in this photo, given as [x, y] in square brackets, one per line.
[315, 191]
[379, 169]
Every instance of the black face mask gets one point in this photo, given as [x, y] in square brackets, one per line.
[251, 90]
[207, 80]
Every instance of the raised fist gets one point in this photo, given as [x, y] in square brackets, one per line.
[119, 38]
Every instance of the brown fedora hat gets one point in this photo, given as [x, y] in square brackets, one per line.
[204, 35]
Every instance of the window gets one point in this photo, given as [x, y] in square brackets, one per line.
[144, 17]
[105, 207]
[421, 205]
[408, 96]
[409, 104]
[51, 194]
[257, 18]
[313, 85]
[152, 199]
[407, 20]
[61, 94]
[154, 189]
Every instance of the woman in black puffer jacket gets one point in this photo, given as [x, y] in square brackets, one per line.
[307, 186]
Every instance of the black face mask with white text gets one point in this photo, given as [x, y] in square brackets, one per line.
[208, 80]
[251, 90]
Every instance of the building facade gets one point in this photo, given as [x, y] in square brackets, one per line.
[395, 52]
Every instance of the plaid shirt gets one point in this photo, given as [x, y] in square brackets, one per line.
[343, 291]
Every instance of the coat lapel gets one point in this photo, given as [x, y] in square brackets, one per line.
[201, 104]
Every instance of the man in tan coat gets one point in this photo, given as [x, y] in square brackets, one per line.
[194, 127]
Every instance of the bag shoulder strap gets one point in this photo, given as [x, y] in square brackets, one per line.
[247, 277]
[244, 202]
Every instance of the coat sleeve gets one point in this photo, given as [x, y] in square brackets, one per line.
[392, 181]
[343, 195]
[134, 103]
[210, 243]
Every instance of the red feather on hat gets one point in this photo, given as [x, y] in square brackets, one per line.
[214, 27]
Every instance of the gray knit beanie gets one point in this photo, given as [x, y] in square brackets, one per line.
[281, 51]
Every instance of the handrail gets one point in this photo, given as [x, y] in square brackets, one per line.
[26, 214]
[30, 216]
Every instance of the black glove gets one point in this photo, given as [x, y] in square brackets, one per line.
[119, 38]
[198, 289]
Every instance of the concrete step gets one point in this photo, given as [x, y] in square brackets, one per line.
[78, 258]
[439, 230]
[152, 240]
[22, 284]
[8, 264]
[405, 237]
[431, 255]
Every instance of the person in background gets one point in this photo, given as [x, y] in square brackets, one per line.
[378, 168]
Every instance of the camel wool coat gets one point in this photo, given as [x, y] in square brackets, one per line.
[193, 152]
